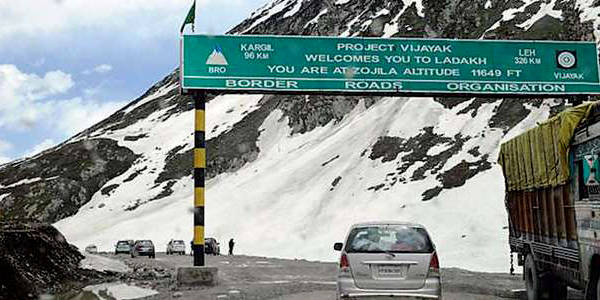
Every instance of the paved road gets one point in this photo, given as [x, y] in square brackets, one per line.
[247, 278]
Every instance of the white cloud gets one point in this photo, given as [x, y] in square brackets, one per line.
[45, 144]
[25, 102]
[20, 94]
[103, 68]
[74, 115]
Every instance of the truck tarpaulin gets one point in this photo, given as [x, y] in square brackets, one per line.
[539, 157]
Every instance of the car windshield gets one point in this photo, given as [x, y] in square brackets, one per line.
[178, 242]
[123, 243]
[146, 243]
[390, 238]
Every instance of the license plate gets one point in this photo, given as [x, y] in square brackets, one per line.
[391, 271]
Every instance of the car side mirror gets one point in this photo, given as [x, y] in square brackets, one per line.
[338, 246]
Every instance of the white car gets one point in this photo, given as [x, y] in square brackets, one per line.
[388, 260]
[176, 246]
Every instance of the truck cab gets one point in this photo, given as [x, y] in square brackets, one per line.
[585, 182]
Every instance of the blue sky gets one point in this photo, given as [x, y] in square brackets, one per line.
[66, 64]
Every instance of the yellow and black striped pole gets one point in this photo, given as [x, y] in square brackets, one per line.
[199, 98]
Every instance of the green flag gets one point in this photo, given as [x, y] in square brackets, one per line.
[191, 16]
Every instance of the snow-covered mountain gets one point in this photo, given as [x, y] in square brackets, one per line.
[289, 174]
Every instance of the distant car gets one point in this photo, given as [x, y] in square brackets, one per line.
[211, 246]
[388, 259]
[143, 248]
[123, 246]
[91, 249]
[176, 246]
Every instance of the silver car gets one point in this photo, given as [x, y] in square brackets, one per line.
[176, 246]
[143, 248]
[388, 260]
[123, 246]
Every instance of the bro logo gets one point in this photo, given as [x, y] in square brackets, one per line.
[566, 59]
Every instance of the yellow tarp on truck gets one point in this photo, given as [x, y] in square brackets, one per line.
[539, 157]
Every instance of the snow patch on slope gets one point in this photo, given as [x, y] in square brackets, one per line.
[511, 13]
[437, 149]
[368, 22]
[315, 20]
[392, 28]
[351, 23]
[546, 9]
[340, 2]
[2, 196]
[488, 4]
[274, 8]
[160, 134]
[27, 181]
[294, 9]
[163, 90]
[226, 110]
[589, 12]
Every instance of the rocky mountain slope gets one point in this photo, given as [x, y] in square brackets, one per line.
[289, 174]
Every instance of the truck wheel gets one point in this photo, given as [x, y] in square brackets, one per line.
[533, 282]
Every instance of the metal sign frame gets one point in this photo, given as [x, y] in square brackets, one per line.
[396, 92]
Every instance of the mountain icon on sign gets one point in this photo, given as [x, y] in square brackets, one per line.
[217, 57]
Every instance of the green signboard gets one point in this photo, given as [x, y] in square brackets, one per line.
[377, 65]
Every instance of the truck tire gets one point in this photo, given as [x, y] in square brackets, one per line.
[536, 285]
[593, 288]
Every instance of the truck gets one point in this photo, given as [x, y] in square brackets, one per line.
[552, 197]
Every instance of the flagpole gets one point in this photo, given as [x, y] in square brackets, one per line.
[194, 23]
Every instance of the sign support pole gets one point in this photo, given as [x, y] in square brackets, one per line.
[199, 97]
